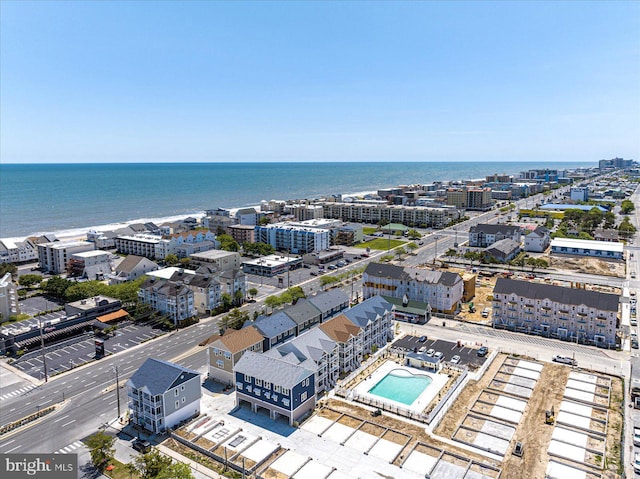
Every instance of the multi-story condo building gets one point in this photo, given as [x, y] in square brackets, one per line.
[442, 291]
[537, 240]
[225, 351]
[314, 350]
[53, 257]
[423, 216]
[17, 251]
[478, 199]
[374, 316]
[162, 394]
[132, 267]
[9, 305]
[579, 193]
[221, 260]
[174, 299]
[578, 315]
[484, 235]
[139, 244]
[242, 233]
[295, 239]
[349, 338]
[95, 264]
[278, 385]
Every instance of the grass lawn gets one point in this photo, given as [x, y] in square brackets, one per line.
[120, 471]
[381, 244]
[369, 231]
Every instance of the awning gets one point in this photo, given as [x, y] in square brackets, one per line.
[121, 313]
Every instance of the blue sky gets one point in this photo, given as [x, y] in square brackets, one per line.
[319, 81]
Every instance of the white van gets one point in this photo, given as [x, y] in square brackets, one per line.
[485, 313]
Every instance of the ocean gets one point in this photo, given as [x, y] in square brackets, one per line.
[69, 199]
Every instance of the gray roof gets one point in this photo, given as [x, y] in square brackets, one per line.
[382, 270]
[274, 325]
[128, 264]
[329, 300]
[159, 376]
[541, 231]
[424, 357]
[505, 246]
[507, 230]
[309, 345]
[558, 294]
[367, 311]
[302, 311]
[274, 370]
[197, 280]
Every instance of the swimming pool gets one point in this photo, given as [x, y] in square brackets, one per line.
[402, 386]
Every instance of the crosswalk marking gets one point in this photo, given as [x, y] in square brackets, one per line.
[17, 392]
[69, 448]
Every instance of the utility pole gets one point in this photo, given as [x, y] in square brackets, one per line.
[117, 389]
[44, 357]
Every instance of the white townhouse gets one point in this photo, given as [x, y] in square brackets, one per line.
[538, 240]
[17, 251]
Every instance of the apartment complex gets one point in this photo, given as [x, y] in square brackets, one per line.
[162, 394]
[537, 240]
[225, 350]
[422, 216]
[155, 246]
[295, 239]
[470, 198]
[571, 314]
[484, 235]
[442, 291]
[17, 251]
[172, 298]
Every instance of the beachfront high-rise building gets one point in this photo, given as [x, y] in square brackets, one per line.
[54, 257]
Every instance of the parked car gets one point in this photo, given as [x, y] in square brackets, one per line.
[332, 267]
[558, 358]
[485, 313]
[438, 355]
[422, 349]
[431, 352]
[482, 352]
[422, 339]
[313, 273]
[455, 359]
[636, 436]
[636, 463]
[141, 445]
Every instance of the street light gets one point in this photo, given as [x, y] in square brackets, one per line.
[115, 368]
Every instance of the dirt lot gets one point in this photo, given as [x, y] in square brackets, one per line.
[583, 264]
[532, 430]
[416, 433]
[614, 432]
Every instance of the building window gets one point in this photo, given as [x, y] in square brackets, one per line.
[239, 386]
[182, 388]
[183, 400]
[303, 396]
[285, 401]
[220, 363]
[285, 391]
[259, 382]
[177, 404]
[267, 385]
[247, 378]
[227, 355]
[175, 392]
[276, 388]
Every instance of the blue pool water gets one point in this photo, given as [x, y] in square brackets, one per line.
[403, 387]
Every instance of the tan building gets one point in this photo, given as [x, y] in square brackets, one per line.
[468, 287]
[225, 351]
[242, 233]
[349, 338]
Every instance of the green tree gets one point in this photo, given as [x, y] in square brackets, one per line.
[413, 234]
[78, 291]
[327, 280]
[627, 207]
[177, 470]
[626, 229]
[238, 297]
[8, 268]
[152, 464]
[297, 293]
[56, 286]
[235, 319]
[272, 302]
[227, 243]
[101, 449]
[257, 249]
[171, 260]
[383, 222]
[253, 292]
[29, 280]
[264, 221]
[609, 220]
[412, 246]
[227, 301]
[185, 262]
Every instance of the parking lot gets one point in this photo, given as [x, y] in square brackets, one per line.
[468, 355]
[77, 351]
[37, 304]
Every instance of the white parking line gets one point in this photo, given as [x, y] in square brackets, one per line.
[61, 418]
[67, 423]
[18, 447]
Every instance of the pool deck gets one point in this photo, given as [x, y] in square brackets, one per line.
[421, 402]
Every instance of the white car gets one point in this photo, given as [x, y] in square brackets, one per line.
[636, 463]
[422, 349]
[565, 360]
[455, 359]
[431, 352]
[438, 355]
